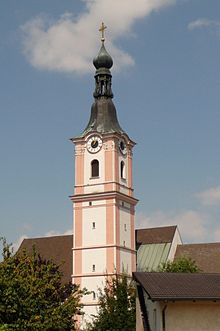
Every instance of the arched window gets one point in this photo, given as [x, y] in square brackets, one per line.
[94, 168]
[122, 170]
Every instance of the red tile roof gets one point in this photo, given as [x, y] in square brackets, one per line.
[206, 256]
[57, 248]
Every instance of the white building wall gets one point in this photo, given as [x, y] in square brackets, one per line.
[124, 189]
[176, 241]
[97, 182]
[154, 314]
[92, 284]
[94, 236]
[125, 227]
[94, 187]
[89, 311]
[91, 307]
[125, 262]
[94, 203]
[96, 257]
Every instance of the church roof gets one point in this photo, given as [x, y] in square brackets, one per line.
[153, 246]
[206, 256]
[59, 248]
[56, 248]
[179, 286]
[151, 256]
[157, 235]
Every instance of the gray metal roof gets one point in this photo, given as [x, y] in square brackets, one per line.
[103, 118]
[150, 256]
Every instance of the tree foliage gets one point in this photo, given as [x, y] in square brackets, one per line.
[32, 296]
[117, 306]
[182, 264]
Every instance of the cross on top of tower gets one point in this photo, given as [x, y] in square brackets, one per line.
[102, 30]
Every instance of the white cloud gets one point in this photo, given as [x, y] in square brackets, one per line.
[210, 197]
[69, 44]
[17, 244]
[56, 233]
[203, 23]
[217, 235]
[191, 224]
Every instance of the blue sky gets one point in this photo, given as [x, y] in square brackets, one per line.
[166, 84]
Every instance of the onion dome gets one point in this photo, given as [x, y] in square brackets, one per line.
[103, 59]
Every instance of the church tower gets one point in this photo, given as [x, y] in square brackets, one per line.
[103, 201]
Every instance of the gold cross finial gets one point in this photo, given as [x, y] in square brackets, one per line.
[102, 30]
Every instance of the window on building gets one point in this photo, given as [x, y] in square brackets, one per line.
[125, 227]
[122, 168]
[93, 295]
[95, 168]
[93, 268]
[93, 225]
[90, 203]
[124, 243]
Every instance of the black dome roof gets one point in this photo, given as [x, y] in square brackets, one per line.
[103, 118]
[103, 59]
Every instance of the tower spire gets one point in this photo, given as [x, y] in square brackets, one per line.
[103, 118]
[103, 63]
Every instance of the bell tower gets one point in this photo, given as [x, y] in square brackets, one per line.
[103, 201]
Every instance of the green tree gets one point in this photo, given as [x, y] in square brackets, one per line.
[117, 306]
[182, 264]
[32, 296]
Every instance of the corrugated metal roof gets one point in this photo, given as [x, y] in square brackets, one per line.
[150, 256]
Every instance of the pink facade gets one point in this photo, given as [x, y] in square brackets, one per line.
[112, 216]
[103, 202]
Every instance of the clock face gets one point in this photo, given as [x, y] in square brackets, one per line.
[122, 147]
[94, 144]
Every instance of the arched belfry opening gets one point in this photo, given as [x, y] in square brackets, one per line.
[122, 170]
[94, 168]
